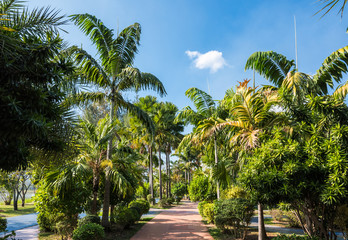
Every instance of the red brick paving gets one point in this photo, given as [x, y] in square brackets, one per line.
[180, 222]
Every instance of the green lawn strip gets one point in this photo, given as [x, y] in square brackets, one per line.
[7, 210]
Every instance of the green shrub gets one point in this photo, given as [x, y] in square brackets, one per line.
[143, 205]
[179, 189]
[170, 200]
[163, 203]
[234, 192]
[200, 207]
[127, 217]
[89, 219]
[233, 215]
[90, 231]
[201, 189]
[3, 224]
[208, 212]
[294, 237]
[341, 219]
[64, 229]
[150, 199]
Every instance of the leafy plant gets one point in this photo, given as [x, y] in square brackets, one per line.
[90, 231]
[143, 205]
[233, 216]
[294, 237]
[208, 212]
[89, 219]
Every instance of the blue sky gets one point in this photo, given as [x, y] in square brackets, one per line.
[233, 29]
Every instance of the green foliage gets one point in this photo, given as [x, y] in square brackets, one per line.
[233, 215]
[90, 231]
[294, 237]
[126, 217]
[200, 189]
[150, 199]
[234, 191]
[32, 75]
[143, 205]
[56, 208]
[163, 203]
[200, 207]
[65, 228]
[179, 190]
[89, 219]
[208, 212]
[143, 190]
[3, 224]
[171, 200]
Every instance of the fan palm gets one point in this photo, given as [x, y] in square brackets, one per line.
[114, 73]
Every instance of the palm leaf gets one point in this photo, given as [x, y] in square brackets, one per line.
[202, 101]
[83, 98]
[133, 79]
[101, 36]
[271, 65]
[332, 69]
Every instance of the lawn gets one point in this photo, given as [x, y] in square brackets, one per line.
[7, 210]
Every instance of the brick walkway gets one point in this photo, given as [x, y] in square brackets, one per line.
[180, 222]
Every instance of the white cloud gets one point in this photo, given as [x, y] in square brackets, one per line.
[212, 60]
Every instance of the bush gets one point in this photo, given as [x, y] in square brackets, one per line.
[178, 199]
[170, 200]
[163, 203]
[89, 219]
[200, 189]
[200, 207]
[179, 189]
[294, 237]
[234, 192]
[277, 214]
[126, 217]
[90, 231]
[233, 216]
[64, 229]
[3, 224]
[143, 205]
[208, 212]
[150, 199]
[293, 220]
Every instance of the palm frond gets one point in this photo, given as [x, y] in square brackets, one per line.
[83, 98]
[271, 65]
[125, 46]
[133, 79]
[91, 71]
[332, 69]
[202, 101]
[101, 36]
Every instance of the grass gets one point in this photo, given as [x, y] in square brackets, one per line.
[252, 234]
[7, 210]
[113, 234]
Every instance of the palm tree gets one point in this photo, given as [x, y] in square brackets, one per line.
[251, 116]
[204, 119]
[92, 147]
[114, 73]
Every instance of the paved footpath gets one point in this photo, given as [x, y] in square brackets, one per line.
[180, 222]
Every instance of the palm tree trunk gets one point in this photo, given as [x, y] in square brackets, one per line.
[106, 202]
[159, 173]
[168, 173]
[95, 191]
[216, 162]
[151, 173]
[261, 223]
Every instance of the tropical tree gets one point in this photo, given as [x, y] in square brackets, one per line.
[31, 73]
[204, 119]
[114, 73]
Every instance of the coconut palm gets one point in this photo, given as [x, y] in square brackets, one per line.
[114, 72]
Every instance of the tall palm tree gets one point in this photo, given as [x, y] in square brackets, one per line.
[113, 72]
[207, 114]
